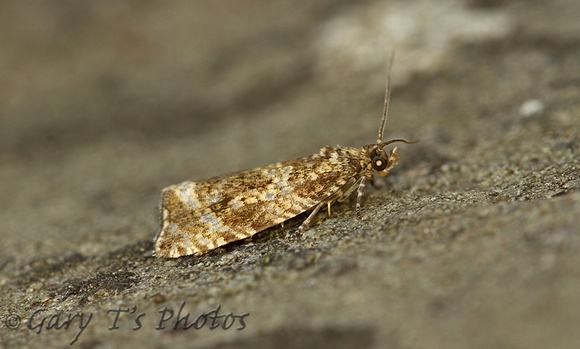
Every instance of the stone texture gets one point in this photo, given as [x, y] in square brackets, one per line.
[472, 243]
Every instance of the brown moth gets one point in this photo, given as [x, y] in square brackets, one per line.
[197, 217]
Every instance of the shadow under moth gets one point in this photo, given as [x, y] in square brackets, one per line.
[197, 217]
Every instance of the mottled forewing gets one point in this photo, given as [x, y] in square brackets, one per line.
[199, 216]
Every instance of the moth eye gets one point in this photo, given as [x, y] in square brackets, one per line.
[379, 164]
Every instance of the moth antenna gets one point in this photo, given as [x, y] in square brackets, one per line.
[387, 98]
[382, 145]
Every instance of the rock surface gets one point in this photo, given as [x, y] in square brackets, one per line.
[472, 243]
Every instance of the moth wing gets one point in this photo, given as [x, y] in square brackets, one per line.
[199, 216]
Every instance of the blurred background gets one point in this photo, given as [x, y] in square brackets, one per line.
[103, 103]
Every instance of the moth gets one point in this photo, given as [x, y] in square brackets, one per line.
[199, 216]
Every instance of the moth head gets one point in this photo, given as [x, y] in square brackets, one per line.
[383, 162]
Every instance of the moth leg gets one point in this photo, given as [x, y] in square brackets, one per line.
[312, 214]
[359, 194]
